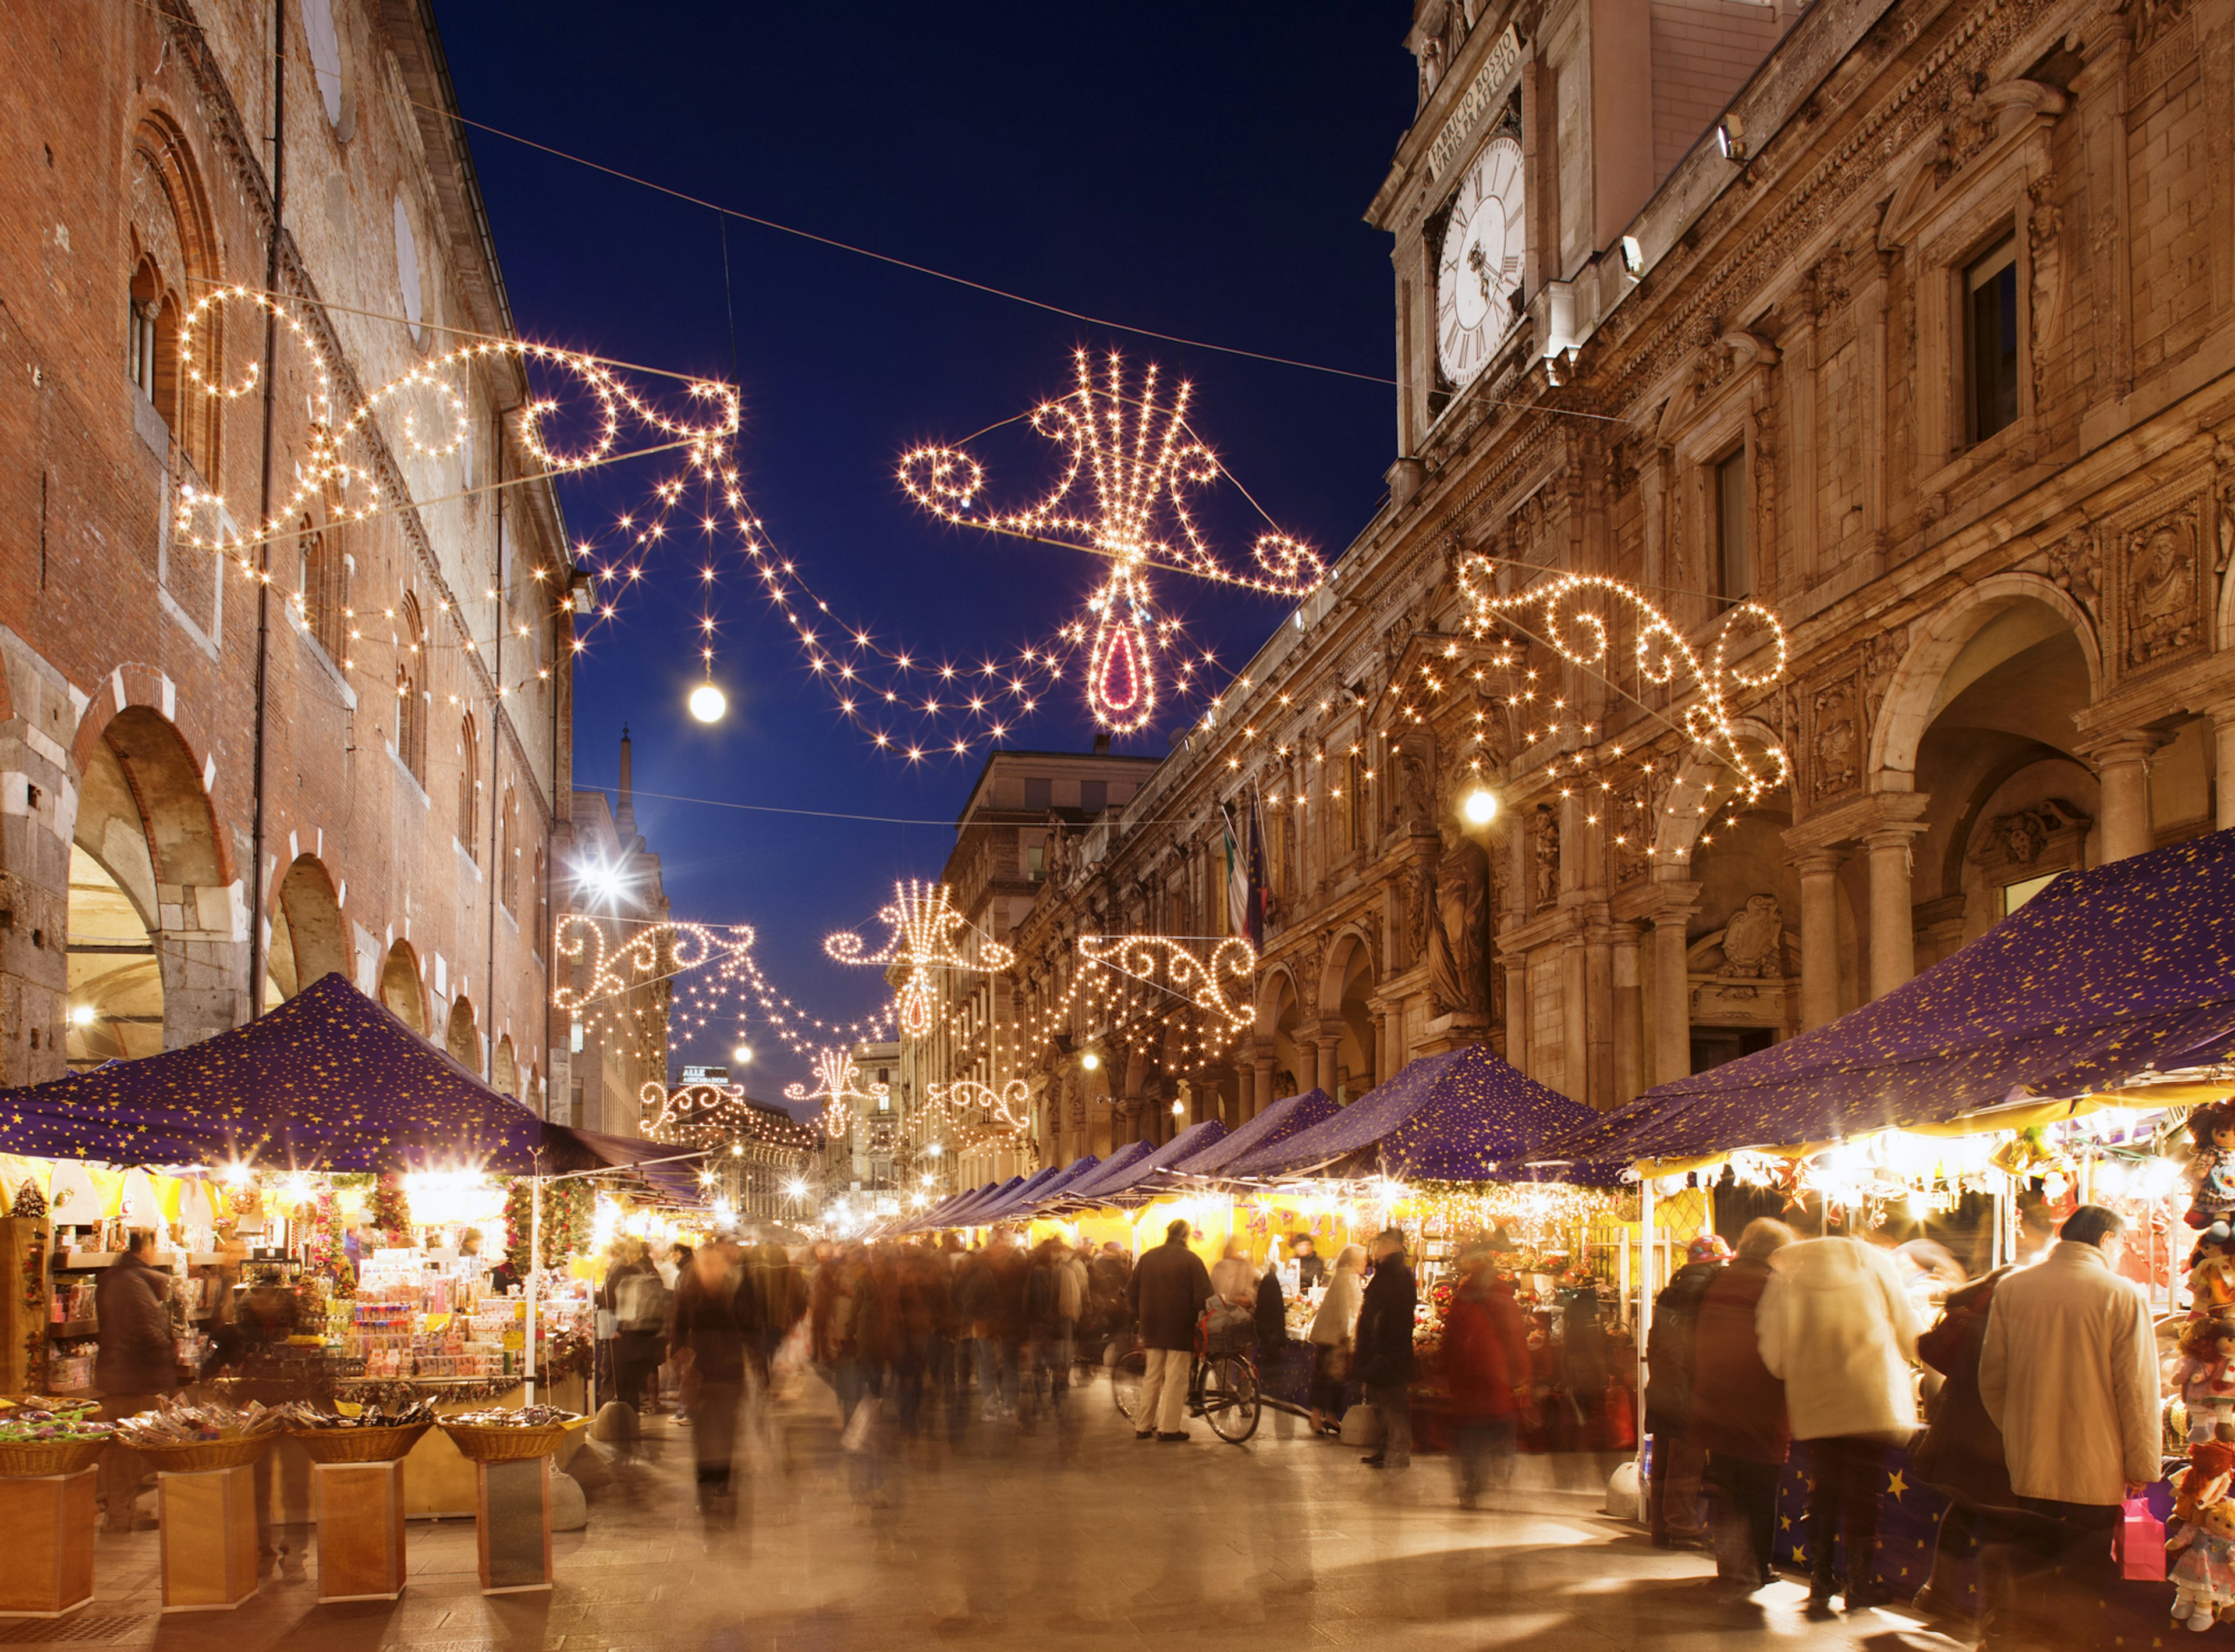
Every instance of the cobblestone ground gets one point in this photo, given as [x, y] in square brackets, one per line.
[1057, 1537]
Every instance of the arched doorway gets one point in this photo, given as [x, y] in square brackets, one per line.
[400, 989]
[460, 1039]
[308, 938]
[158, 940]
[1345, 992]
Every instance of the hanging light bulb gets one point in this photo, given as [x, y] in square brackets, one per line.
[708, 703]
[1480, 807]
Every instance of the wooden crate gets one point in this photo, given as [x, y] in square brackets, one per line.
[23, 1303]
[511, 1520]
[209, 1538]
[46, 1531]
[360, 1530]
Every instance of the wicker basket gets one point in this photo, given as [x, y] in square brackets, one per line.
[202, 1455]
[504, 1444]
[360, 1444]
[31, 1459]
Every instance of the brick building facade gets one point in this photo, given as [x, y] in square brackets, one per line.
[1910, 320]
[411, 760]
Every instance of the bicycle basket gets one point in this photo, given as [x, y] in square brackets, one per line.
[1240, 1338]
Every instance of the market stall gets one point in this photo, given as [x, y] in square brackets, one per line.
[2048, 1062]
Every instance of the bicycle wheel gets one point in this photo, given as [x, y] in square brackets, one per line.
[1229, 1397]
[1126, 1377]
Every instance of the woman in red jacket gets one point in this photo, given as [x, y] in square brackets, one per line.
[1738, 1411]
[1486, 1363]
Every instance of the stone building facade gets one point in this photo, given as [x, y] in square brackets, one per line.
[1912, 321]
[381, 704]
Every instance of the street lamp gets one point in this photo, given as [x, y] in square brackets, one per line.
[1480, 807]
[1090, 1061]
[708, 703]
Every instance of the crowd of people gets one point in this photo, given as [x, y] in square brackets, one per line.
[2041, 1419]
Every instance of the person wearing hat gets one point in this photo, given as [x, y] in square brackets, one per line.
[1671, 1354]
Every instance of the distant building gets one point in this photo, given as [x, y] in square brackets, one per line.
[616, 1044]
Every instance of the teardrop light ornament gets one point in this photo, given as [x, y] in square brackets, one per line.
[1121, 683]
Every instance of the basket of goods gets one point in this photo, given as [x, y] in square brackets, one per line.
[501, 1436]
[361, 1434]
[40, 1436]
[182, 1439]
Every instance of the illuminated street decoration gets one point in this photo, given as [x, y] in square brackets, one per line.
[837, 1086]
[1135, 451]
[652, 953]
[924, 926]
[1146, 957]
[1010, 1106]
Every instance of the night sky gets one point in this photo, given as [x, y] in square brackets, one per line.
[1196, 168]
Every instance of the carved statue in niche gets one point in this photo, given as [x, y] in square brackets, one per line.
[2163, 594]
[1754, 945]
[1838, 745]
[1544, 848]
[1415, 806]
[1501, 883]
[1458, 980]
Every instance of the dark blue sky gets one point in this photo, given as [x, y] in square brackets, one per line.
[1191, 166]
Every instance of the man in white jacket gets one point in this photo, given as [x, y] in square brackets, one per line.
[2068, 1371]
[1836, 1324]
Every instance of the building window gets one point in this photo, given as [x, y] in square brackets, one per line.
[411, 689]
[469, 785]
[142, 337]
[322, 588]
[508, 867]
[1036, 861]
[1039, 794]
[1093, 795]
[1734, 546]
[1990, 341]
[2016, 894]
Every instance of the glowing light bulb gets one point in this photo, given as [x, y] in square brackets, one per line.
[1090, 1061]
[81, 1015]
[1480, 807]
[741, 1055]
[708, 703]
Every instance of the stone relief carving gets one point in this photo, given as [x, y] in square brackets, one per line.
[1419, 905]
[1632, 834]
[1754, 945]
[2044, 223]
[2075, 567]
[2223, 492]
[1545, 849]
[2020, 838]
[1837, 748]
[1415, 800]
[2161, 592]
[2149, 19]
[1457, 979]
[1882, 656]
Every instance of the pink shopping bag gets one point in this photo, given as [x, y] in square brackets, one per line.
[2138, 1543]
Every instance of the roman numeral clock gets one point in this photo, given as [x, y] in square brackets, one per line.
[1480, 270]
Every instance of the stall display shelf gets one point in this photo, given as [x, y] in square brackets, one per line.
[72, 1328]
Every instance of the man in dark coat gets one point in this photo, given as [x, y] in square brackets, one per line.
[136, 1362]
[1167, 1293]
[1961, 1455]
[1383, 1360]
[716, 1313]
[1673, 1499]
[1738, 1411]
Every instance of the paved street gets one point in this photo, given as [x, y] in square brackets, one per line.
[1041, 1541]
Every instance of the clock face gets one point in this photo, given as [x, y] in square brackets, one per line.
[1481, 267]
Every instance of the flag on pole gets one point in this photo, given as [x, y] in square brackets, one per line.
[1237, 878]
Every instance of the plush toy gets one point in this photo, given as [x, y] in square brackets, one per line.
[2203, 1576]
[2212, 1272]
[2212, 1165]
[2207, 1375]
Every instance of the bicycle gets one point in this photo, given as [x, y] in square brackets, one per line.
[1221, 1388]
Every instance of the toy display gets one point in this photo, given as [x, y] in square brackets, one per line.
[2204, 1575]
[2212, 1165]
[2207, 1375]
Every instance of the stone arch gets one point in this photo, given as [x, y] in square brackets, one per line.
[1678, 824]
[1915, 687]
[401, 989]
[309, 940]
[460, 1037]
[149, 854]
[173, 262]
[505, 1068]
[1279, 1016]
[1348, 979]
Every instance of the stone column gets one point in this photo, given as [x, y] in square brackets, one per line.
[1328, 1044]
[1672, 982]
[1261, 1095]
[2223, 747]
[1516, 1010]
[2122, 765]
[1819, 934]
[1893, 941]
[1629, 1016]
[1385, 1057]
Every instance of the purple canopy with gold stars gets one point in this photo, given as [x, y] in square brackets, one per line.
[1463, 1116]
[2100, 979]
[328, 1081]
[1290, 1116]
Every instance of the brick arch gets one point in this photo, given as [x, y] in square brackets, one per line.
[134, 687]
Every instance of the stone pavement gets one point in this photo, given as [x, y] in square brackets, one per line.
[1076, 1537]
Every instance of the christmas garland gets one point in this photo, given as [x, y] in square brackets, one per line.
[568, 1208]
[390, 1211]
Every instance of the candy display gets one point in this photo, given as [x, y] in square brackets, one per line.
[39, 1417]
[300, 1416]
[176, 1422]
[519, 1417]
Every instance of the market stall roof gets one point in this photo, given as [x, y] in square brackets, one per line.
[329, 1080]
[1109, 1169]
[1040, 1189]
[936, 1217]
[994, 1210]
[2101, 977]
[1287, 1116]
[1138, 1185]
[961, 1214]
[1463, 1116]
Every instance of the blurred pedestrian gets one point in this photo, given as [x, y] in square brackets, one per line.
[135, 1362]
[1234, 1278]
[1485, 1364]
[1333, 1334]
[1051, 1306]
[1311, 1267]
[716, 1313]
[640, 1301]
[1836, 1325]
[1672, 1496]
[1385, 1349]
[1961, 1456]
[2069, 1372]
[1167, 1292]
[1738, 1411]
[1272, 1315]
